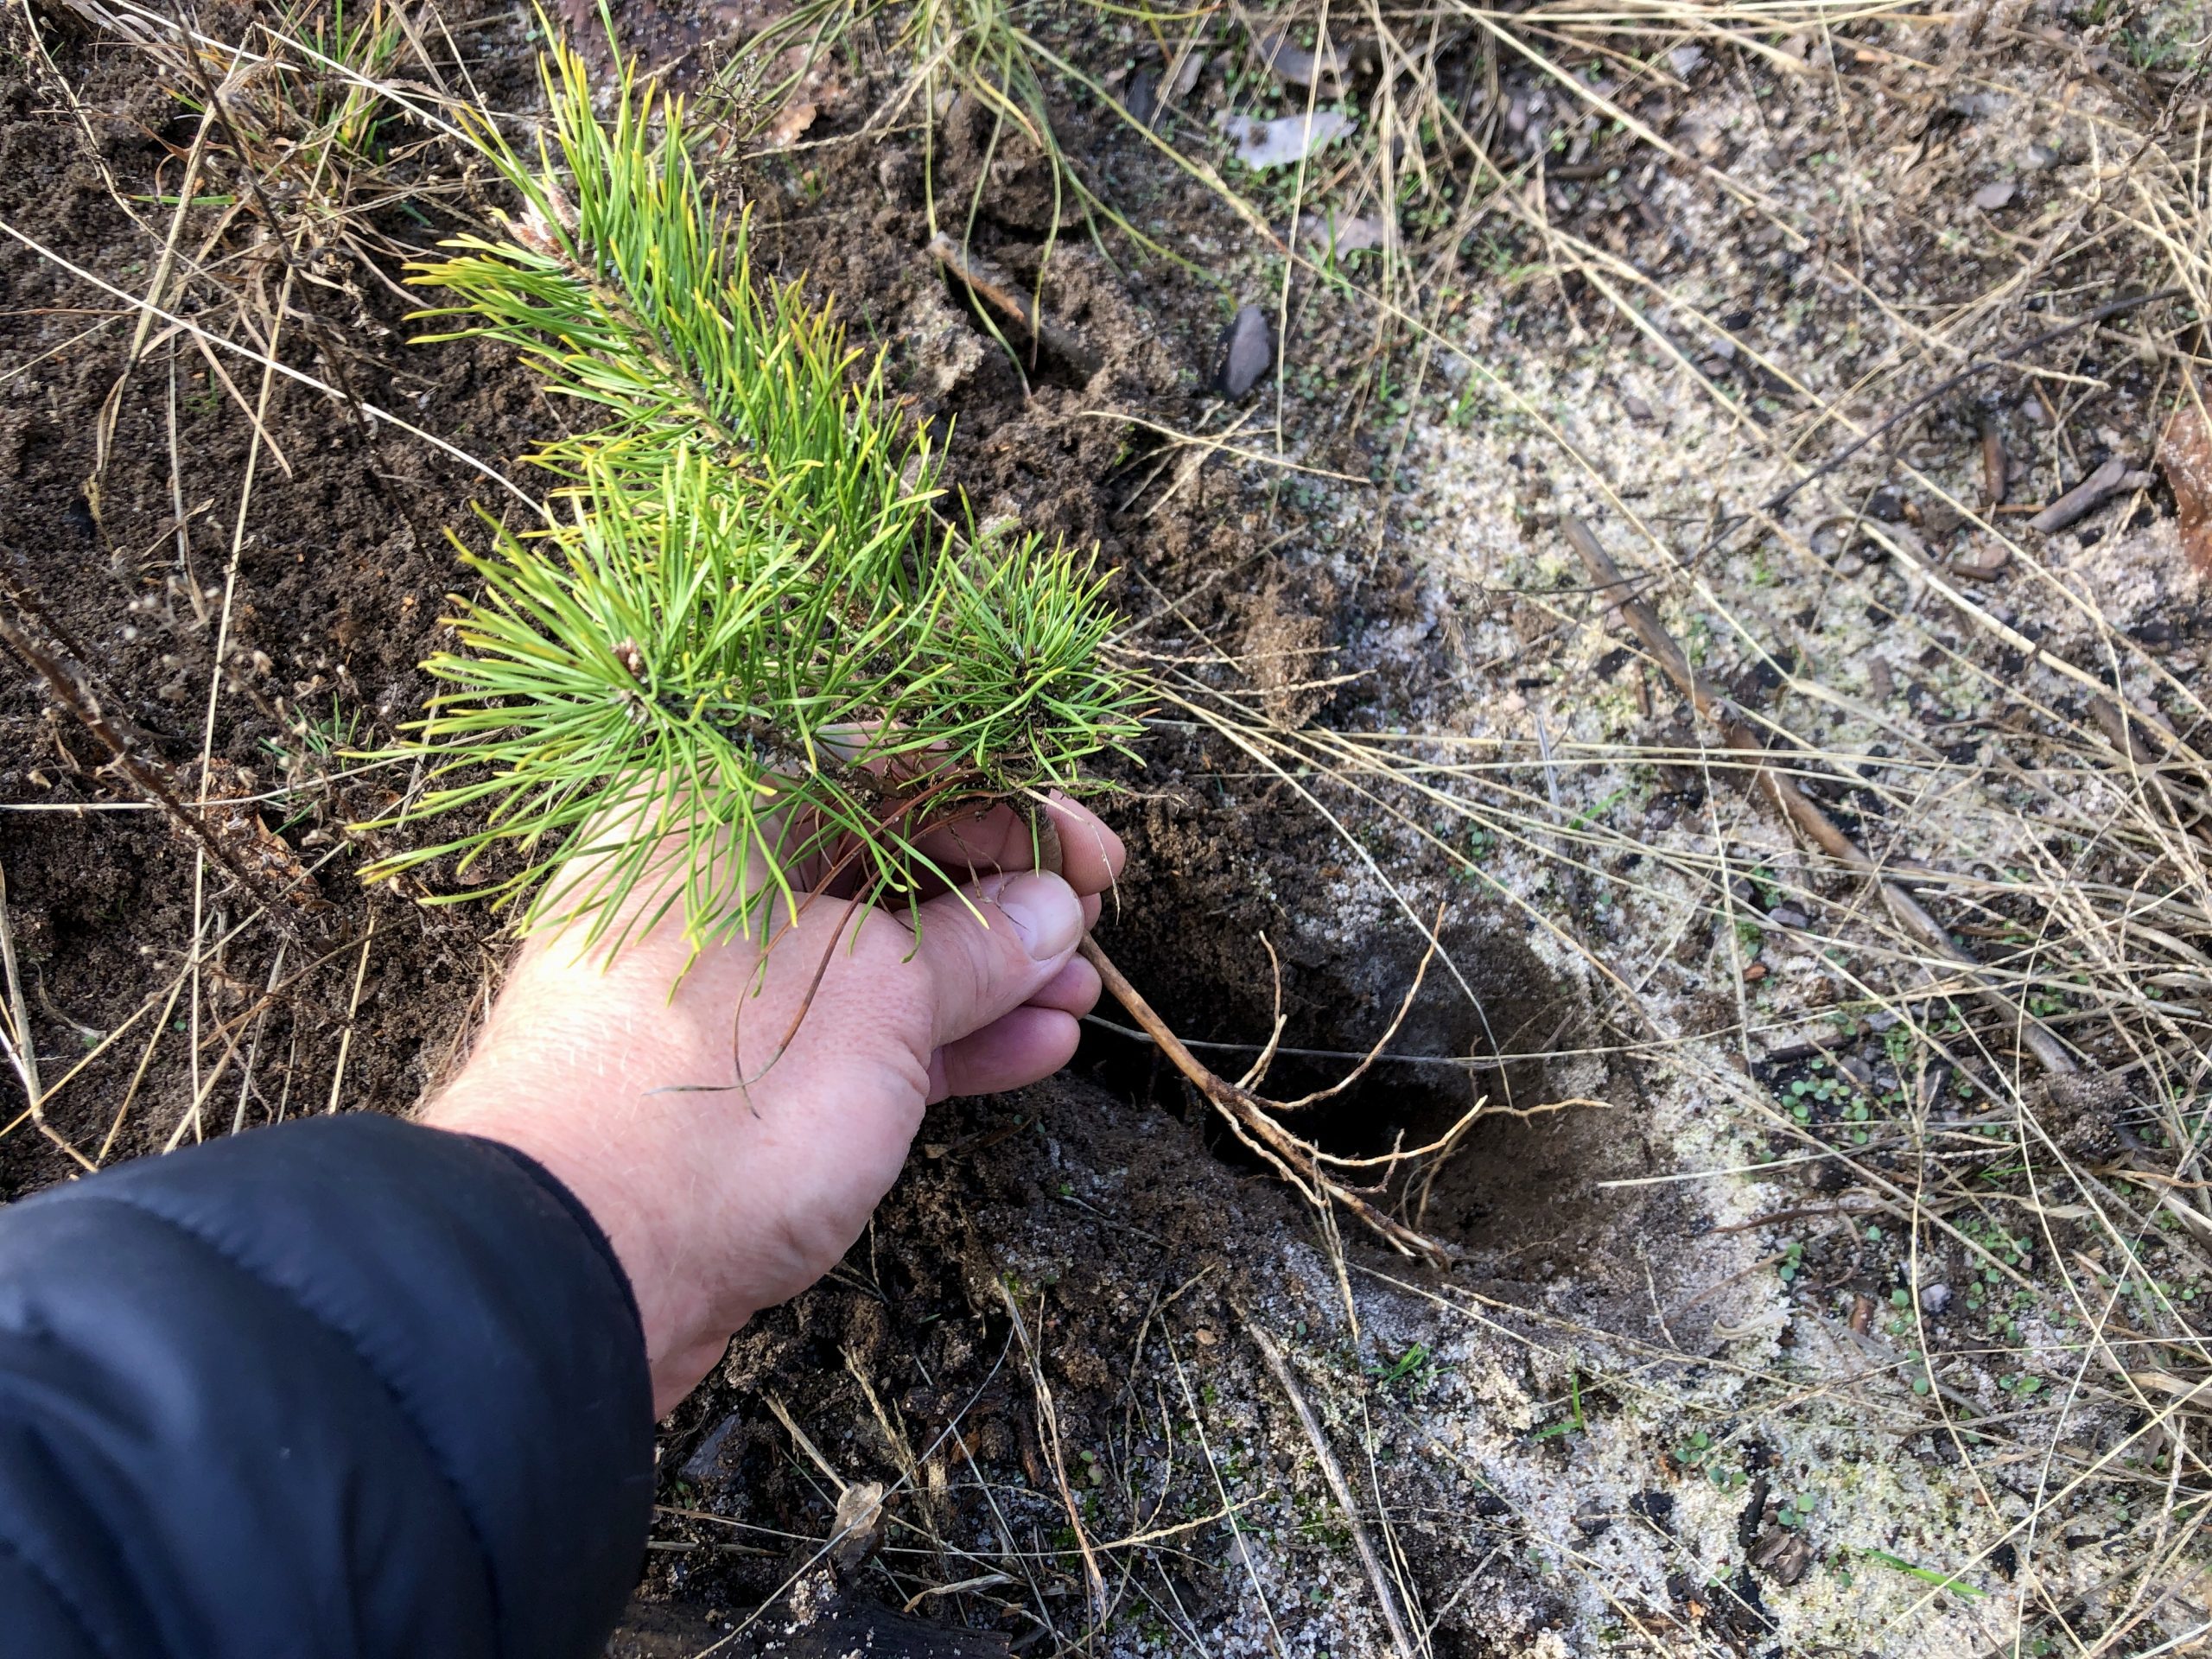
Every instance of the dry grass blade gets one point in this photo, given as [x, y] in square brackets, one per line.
[1401, 1638]
[15, 1016]
[1101, 1606]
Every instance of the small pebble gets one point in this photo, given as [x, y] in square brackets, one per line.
[1143, 99]
[1991, 197]
[1935, 1298]
[1983, 561]
[1788, 916]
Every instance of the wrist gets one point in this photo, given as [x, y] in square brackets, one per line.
[685, 1328]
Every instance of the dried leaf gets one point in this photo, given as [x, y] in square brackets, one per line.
[1342, 236]
[741, 20]
[1185, 78]
[1286, 139]
[821, 85]
[1295, 64]
[2185, 457]
[231, 815]
[1142, 99]
[791, 123]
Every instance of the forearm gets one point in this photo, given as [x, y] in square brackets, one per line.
[351, 1386]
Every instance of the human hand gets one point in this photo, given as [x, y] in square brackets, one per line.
[721, 1200]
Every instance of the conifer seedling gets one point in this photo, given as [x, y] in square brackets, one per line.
[744, 629]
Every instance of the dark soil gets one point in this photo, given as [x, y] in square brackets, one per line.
[342, 571]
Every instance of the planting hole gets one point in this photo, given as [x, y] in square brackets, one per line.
[1521, 1193]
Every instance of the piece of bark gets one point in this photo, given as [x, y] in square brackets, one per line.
[1995, 464]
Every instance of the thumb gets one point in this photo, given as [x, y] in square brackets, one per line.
[989, 949]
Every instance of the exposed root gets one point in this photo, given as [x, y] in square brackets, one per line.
[990, 283]
[1297, 1159]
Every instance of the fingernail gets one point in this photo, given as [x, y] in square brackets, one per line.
[1044, 911]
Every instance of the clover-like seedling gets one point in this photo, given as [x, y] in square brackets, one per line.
[744, 640]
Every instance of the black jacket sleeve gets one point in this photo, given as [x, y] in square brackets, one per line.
[350, 1387]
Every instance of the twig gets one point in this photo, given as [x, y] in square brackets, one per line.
[1334, 1475]
[1799, 807]
[2088, 496]
[2123, 729]
[1249, 1114]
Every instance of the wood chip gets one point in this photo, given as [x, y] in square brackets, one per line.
[1285, 139]
[2086, 497]
[1342, 236]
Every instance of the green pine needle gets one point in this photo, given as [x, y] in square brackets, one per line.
[740, 626]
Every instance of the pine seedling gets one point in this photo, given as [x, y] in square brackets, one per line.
[742, 642]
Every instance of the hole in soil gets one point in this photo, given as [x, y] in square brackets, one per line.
[1040, 362]
[1521, 1191]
